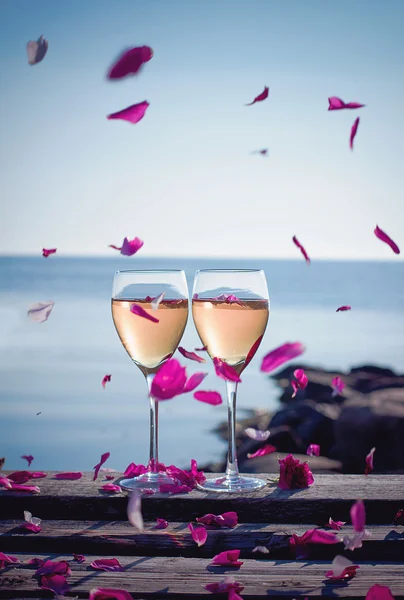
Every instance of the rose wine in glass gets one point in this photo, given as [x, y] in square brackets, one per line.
[231, 310]
[150, 338]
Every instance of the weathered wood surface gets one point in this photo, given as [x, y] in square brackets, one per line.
[331, 495]
[185, 577]
[119, 537]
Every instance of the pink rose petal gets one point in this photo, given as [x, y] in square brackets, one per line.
[227, 585]
[337, 385]
[300, 544]
[225, 371]
[281, 355]
[161, 524]
[199, 534]
[109, 477]
[138, 310]
[79, 558]
[253, 350]
[157, 301]
[55, 583]
[228, 558]
[103, 459]
[353, 542]
[203, 349]
[313, 450]
[358, 516]
[5, 482]
[130, 62]
[190, 355]
[134, 511]
[260, 97]
[229, 299]
[39, 312]
[38, 474]
[29, 458]
[338, 104]
[193, 382]
[169, 380]
[354, 130]
[109, 594]
[6, 559]
[369, 462]
[20, 476]
[36, 51]
[48, 251]
[69, 475]
[337, 525]
[35, 562]
[29, 489]
[301, 248]
[107, 564]
[53, 567]
[31, 523]
[341, 568]
[105, 380]
[129, 247]
[267, 449]
[379, 592]
[174, 488]
[213, 398]
[379, 233]
[133, 113]
[257, 434]
[111, 487]
[294, 474]
[133, 470]
[301, 381]
[343, 308]
[227, 519]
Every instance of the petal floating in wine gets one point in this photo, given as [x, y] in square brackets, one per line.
[228, 558]
[229, 299]
[103, 459]
[36, 50]
[107, 564]
[190, 355]
[56, 584]
[133, 113]
[109, 594]
[267, 449]
[225, 371]
[138, 310]
[343, 308]
[335, 103]
[130, 62]
[157, 300]
[257, 434]
[354, 130]
[48, 251]
[369, 462]
[199, 534]
[281, 355]
[260, 97]
[40, 311]
[301, 248]
[253, 350]
[111, 487]
[105, 380]
[69, 475]
[213, 398]
[386, 239]
[134, 511]
[169, 380]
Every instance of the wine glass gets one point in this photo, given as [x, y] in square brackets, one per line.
[163, 296]
[231, 310]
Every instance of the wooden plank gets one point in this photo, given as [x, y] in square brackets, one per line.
[120, 538]
[331, 495]
[185, 577]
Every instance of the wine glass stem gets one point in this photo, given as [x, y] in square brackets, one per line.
[232, 474]
[154, 417]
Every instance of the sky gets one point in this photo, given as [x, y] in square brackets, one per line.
[184, 179]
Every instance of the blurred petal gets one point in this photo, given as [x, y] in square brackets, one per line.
[343, 308]
[379, 233]
[341, 568]
[20, 476]
[6, 559]
[354, 130]
[301, 248]
[281, 355]
[105, 380]
[399, 518]
[5, 482]
[301, 381]
[190, 355]
[338, 104]
[225, 371]
[260, 97]
[48, 251]
[313, 450]
[79, 558]
[192, 383]
[379, 592]
[111, 487]
[69, 475]
[337, 525]
[353, 542]
[257, 434]
[337, 385]
[107, 564]
[161, 524]
[29, 458]
[199, 534]
[174, 488]
[155, 303]
[267, 449]
[369, 462]
[103, 459]
[40, 311]
[358, 516]
[135, 511]
[130, 62]
[300, 544]
[203, 349]
[262, 549]
[133, 113]
[213, 398]
[36, 51]
[29, 489]
[138, 310]
[169, 380]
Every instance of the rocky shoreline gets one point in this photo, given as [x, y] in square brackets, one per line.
[368, 413]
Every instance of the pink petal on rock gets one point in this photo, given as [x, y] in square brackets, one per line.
[103, 459]
[6, 559]
[341, 568]
[169, 380]
[157, 300]
[31, 523]
[38, 474]
[379, 592]
[343, 308]
[56, 584]
[379, 233]
[20, 476]
[190, 355]
[29, 489]
[69, 475]
[161, 524]
[294, 474]
[109, 594]
[257, 434]
[133, 470]
[133, 113]
[227, 585]
[199, 534]
[300, 544]
[130, 247]
[313, 450]
[281, 355]
[107, 564]
[267, 449]
[134, 511]
[354, 130]
[193, 382]
[40, 311]
[338, 104]
[35, 562]
[130, 62]
[5, 482]
[227, 519]
[369, 462]
[48, 251]
[228, 558]
[229, 299]
[111, 487]
[36, 51]
[260, 97]
[358, 516]
[53, 567]
[138, 310]
[213, 398]
[79, 558]
[105, 380]
[301, 248]
[225, 371]
[337, 525]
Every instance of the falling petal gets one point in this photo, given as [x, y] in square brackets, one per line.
[341, 568]
[260, 97]
[111, 487]
[55, 583]
[155, 303]
[267, 449]
[138, 310]
[109, 477]
[213, 398]
[379, 592]
[40, 311]
[252, 351]
[109, 594]
[130, 247]
[161, 524]
[263, 152]
[37, 50]
[343, 308]
[105, 380]
[190, 355]
[199, 534]
[192, 383]
[103, 459]
[203, 349]
[379, 233]
[69, 475]
[337, 385]
[257, 434]
[301, 381]
[135, 511]
[79, 558]
[2, 461]
[354, 129]
[47, 252]
[338, 104]
[358, 516]
[301, 248]
[313, 450]
[228, 558]
[133, 113]
[337, 525]
[281, 355]
[29, 458]
[369, 462]
[130, 62]
[107, 564]
[169, 380]
[225, 371]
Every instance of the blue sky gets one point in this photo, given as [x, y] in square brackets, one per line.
[183, 179]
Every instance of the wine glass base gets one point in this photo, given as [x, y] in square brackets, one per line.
[241, 484]
[147, 481]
